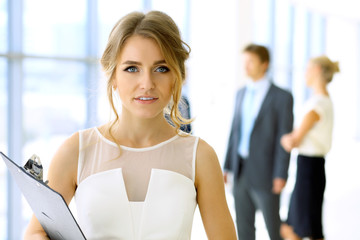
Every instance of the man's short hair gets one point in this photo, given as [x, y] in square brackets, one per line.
[261, 51]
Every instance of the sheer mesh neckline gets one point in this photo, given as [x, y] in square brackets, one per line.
[135, 149]
[99, 154]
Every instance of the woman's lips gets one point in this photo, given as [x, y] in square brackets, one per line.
[146, 100]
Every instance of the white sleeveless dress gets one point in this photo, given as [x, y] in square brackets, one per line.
[143, 193]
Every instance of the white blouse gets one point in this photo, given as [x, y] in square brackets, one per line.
[143, 193]
[317, 142]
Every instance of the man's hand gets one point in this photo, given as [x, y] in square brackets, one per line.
[278, 185]
[225, 177]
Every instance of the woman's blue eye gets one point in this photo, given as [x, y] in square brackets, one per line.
[131, 69]
[162, 69]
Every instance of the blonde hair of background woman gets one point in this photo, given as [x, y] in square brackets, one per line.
[328, 67]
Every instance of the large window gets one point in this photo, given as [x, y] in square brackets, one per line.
[178, 10]
[54, 104]
[293, 35]
[3, 147]
[110, 12]
[283, 43]
[55, 28]
[3, 118]
[306, 29]
[3, 26]
[50, 81]
[52, 110]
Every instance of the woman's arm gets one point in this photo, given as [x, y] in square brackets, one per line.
[209, 183]
[293, 139]
[62, 176]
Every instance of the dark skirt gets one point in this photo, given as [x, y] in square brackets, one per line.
[305, 209]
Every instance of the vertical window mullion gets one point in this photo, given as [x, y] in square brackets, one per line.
[147, 5]
[272, 32]
[92, 23]
[308, 39]
[358, 87]
[323, 35]
[291, 47]
[15, 126]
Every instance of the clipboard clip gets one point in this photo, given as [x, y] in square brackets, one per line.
[34, 167]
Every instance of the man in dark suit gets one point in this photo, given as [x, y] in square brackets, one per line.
[259, 164]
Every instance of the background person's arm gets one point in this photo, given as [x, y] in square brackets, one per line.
[293, 139]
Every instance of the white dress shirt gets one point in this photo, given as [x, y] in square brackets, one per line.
[260, 89]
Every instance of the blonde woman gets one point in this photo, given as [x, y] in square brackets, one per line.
[138, 177]
[313, 139]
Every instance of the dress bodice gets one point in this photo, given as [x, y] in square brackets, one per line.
[145, 193]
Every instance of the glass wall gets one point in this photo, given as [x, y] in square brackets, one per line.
[283, 43]
[3, 147]
[55, 28]
[178, 10]
[54, 104]
[110, 12]
[3, 26]
[3, 118]
[54, 107]
[293, 34]
[59, 86]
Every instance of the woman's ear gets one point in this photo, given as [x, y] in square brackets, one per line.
[113, 82]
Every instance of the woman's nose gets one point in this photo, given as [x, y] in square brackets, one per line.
[147, 81]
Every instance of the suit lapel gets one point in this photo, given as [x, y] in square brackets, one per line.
[265, 106]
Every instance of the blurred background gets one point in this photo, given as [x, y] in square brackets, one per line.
[51, 84]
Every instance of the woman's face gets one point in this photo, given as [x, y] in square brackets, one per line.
[143, 79]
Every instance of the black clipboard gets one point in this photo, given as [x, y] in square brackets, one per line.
[48, 205]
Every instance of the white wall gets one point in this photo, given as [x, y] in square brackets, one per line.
[343, 186]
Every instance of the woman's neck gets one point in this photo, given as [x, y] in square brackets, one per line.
[135, 132]
[320, 88]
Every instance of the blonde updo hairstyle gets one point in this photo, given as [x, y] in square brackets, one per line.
[160, 27]
[328, 67]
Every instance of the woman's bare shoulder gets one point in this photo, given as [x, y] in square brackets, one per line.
[62, 173]
[205, 152]
[207, 163]
[70, 147]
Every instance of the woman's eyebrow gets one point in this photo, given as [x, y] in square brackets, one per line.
[159, 62]
[130, 62]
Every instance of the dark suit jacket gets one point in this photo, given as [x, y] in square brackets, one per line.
[267, 159]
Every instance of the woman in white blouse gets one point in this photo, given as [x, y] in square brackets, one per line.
[313, 139]
[138, 177]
